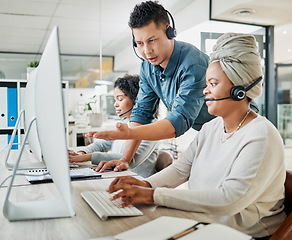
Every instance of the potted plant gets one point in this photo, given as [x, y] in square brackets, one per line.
[33, 64]
[30, 67]
[95, 119]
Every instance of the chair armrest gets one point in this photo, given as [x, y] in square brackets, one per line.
[285, 230]
[288, 192]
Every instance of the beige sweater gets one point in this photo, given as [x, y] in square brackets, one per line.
[239, 183]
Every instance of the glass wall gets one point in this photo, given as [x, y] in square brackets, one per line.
[284, 80]
[78, 70]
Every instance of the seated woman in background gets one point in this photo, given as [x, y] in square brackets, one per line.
[235, 165]
[144, 161]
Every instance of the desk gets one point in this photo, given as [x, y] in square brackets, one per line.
[85, 225]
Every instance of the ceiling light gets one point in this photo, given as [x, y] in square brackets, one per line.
[103, 82]
[284, 32]
[244, 11]
[93, 70]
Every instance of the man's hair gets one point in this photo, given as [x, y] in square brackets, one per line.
[146, 12]
[129, 85]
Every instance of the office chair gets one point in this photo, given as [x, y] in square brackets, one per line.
[285, 230]
[164, 159]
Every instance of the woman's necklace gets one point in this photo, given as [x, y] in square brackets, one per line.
[224, 138]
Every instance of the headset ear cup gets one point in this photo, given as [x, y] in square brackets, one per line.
[238, 93]
[170, 32]
[134, 42]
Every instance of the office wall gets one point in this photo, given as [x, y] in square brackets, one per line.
[127, 60]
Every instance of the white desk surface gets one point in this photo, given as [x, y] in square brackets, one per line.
[85, 225]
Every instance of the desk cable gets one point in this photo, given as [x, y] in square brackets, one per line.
[4, 148]
[23, 174]
[13, 144]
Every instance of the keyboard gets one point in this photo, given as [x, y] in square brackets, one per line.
[101, 204]
[35, 176]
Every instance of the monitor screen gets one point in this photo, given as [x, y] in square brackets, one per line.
[30, 118]
[50, 127]
[31, 139]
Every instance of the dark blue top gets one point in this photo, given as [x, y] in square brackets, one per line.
[180, 87]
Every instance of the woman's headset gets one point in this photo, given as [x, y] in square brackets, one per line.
[239, 92]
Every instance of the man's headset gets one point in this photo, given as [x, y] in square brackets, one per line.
[238, 93]
[170, 33]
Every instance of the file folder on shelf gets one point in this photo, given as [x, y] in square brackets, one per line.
[11, 106]
[3, 107]
[22, 101]
[15, 141]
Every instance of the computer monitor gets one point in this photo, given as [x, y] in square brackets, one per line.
[30, 129]
[30, 118]
[32, 140]
[50, 127]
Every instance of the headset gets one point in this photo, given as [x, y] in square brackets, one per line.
[170, 33]
[122, 114]
[238, 93]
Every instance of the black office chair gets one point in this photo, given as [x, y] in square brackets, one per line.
[164, 159]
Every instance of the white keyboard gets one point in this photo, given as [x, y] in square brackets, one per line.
[43, 176]
[100, 202]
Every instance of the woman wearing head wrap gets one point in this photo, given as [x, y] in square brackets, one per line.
[235, 165]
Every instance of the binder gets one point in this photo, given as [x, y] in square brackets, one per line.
[11, 107]
[3, 107]
[22, 103]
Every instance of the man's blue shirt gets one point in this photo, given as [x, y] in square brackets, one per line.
[180, 87]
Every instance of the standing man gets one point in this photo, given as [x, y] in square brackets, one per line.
[173, 72]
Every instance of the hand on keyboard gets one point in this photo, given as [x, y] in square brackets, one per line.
[117, 165]
[131, 190]
[127, 180]
[100, 202]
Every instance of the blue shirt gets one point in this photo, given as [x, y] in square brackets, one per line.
[180, 87]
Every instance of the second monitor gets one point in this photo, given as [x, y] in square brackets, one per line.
[49, 117]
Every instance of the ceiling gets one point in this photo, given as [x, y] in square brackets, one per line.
[263, 12]
[88, 26]
[27, 24]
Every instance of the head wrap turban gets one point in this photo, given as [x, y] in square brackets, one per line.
[239, 58]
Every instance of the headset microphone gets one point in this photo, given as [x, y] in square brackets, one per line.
[142, 59]
[238, 93]
[126, 112]
[217, 99]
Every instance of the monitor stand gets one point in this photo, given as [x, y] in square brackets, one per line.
[21, 166]
[33, 209]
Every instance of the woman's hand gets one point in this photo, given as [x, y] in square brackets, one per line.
[127, 180]
[79, 157]
[118, 165]
[122, 131]
[131, 190]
